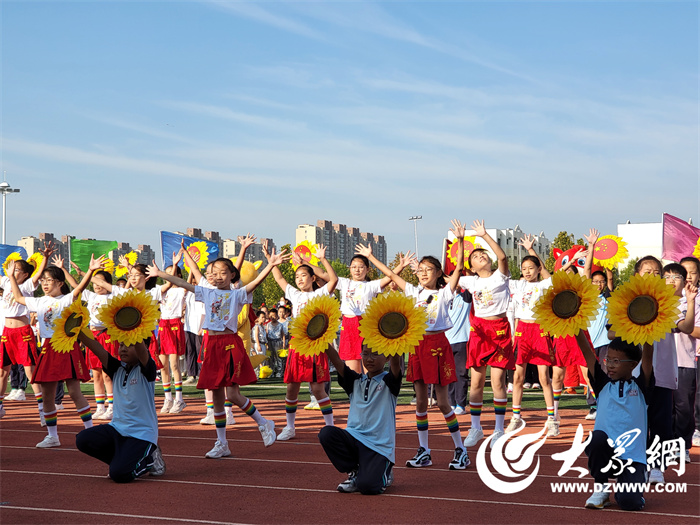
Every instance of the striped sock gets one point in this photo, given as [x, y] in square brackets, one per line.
[290, 407]
[550, 412]
[86, 415]
[167, 392]
[557, 397]
[249, 408]
[1, 398]
[210, 405]
[453, 426]
[110, 398]
[220, 423]
[100, 400]
[516, 411]
[326, 410]
[40, 401]
[422, 426]
[475, 413]
[227, 404]
[499, 407]
[51, 418]
[178, 390]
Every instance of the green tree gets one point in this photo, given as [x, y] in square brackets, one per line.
[407, 274]
[514, 268]
[563, 241]
[624, 275]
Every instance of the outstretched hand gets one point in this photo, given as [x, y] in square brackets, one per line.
[152, 270]
[278, 258]
[527, 241]
[96, 264]
[364, 250]
[57, 261]
[246, 241]
[458, 229]
[479, 228]
[321, 251]
[592, 236]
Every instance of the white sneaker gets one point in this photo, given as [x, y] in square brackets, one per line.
[190, 381]
[656, 476]
[592, 413]
[516, 423]
[49, 442]
[598, 500]
[473, 437]
[497, 434]
[21, 396]
[220, 450]
[158, 468]
[536, 386]
[209, 418]
[687, 456]
[230, 420]
[552, 427]
[527, 386]
[286, 434]
[99, 412]
[42, 420]
[510, 388]
[109, 413]
[267, 431]
[59, 406]
[313, 405]
[459, 411]
[178, 406]
[12, 396]
[696, 438]
[167, 406]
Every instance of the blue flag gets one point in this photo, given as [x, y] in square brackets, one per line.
[203, 252]
[6, 250]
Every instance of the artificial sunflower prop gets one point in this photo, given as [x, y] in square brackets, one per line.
[609, 250]
[470, 245]
[35, 261]
[123, 271]
[73, 320]
[316, 326]
[130, 317]
[108, 266]
[392, 324]
[307, 251]
[643, 310]
[14, 256]
[696, 251]
[199, 251]
[568, 306]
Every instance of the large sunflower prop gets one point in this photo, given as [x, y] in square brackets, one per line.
[73, 320]
[568, 306]
[609, 250]
[316, 325]
[392, 325]
[470, 245]
[122, 271]
[35, 261]
[130, 317]
[307, 251]
[14, 256]
[108, 265]
[643, 310]
[199, 251]
[696, 251]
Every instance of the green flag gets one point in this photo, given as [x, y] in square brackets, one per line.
[81, 250]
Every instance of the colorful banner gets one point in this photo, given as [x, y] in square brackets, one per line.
[8, 249]
[203, 252]
[679, 238]
[81, 250]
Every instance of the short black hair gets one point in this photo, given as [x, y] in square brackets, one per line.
[648, 258]
[632, 351]
[691, 259]
[675, 268]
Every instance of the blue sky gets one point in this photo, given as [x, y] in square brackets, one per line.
[123, 118]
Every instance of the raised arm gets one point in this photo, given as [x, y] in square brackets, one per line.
[367, 252]
[647, 362]
[332, 281]
[404, 261]
[587, 351]
[95, 264]
[570, 262]
[57, 261]
[273, 261]
[16, 292]
[194, 269]
[480, 231]
[276, 273]
[46, 252]
[395, 365]
[177, 257]
[338, 363]
[246, 242]
[458, 231]
[687, 325]
[527, 243]
[591, 239]
[96, 348]
[154, 271]
[318, 272]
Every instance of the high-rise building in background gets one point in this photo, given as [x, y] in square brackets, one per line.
[340, 240]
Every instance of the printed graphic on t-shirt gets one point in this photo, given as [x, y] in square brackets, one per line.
[431, 308]
[354, 295]
[484, 298]
[50, 314]
[220, 308]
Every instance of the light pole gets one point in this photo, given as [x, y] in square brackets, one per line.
[5, 189]
[415, 219]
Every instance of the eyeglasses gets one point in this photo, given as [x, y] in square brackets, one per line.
[598, 282]
[674, 277]
[613, 363]
[425, 270]
[371, 357]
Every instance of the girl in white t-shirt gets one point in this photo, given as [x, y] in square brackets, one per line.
[490, 342]
[532, 345]
[301, 368]
[433, 362]
[53, 366]
[226, 362]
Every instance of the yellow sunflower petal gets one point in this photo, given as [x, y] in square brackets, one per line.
[35, 261]
[14, 256]
[316, 326]
[567, 286]
[73, 320]
[696, 251]
[392, 324]
[130, 317]
[200, 253]
[470, 245]
[609, 250]
[122, 271]
[639, 289]
[307, 251]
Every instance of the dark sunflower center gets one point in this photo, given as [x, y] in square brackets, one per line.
[127, 318]
[642, 310]
[566, 304]
[72, 323]
[393, 325]
[317, 326]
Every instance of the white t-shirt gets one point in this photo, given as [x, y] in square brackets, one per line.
[299, 298]
[12, 308]
[48, 309]
[194, 312]
[686, 346]
[491, 294]
[221, 307]
[436, 304]
[171, 302]
[355, 295]
[525, 295]
[95, 301]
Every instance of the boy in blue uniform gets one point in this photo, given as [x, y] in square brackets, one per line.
[128, 444]
[622, 408]
[365, 449]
